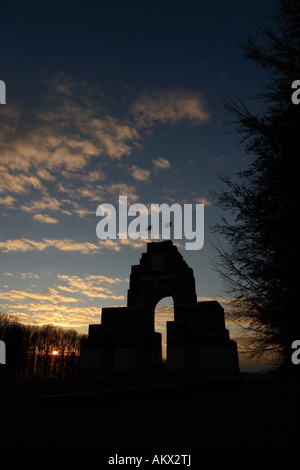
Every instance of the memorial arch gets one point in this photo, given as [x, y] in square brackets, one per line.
[126, 341]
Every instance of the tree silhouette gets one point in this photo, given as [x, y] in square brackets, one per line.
[29, 349]
[260, 262]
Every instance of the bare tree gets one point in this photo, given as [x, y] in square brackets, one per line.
[261, 257]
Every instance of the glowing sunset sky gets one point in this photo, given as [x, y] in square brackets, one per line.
[106, 99]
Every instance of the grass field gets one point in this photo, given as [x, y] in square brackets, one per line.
[262, 414]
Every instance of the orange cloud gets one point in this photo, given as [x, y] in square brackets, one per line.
[161, 163]
[140, 174]
[92, 286]
[45, 219]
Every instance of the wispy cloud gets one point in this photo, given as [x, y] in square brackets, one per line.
[161, 163]
[91, 286]
[7, 201]
[203, 200]
[66, 316]
[169, 107]
[48, 294]
[22, 245]
[140, 174]
[68, 245]
[29, 275]
[44, 219]
[17, 183]
[97, 193]
[67, 302]
[45, 203]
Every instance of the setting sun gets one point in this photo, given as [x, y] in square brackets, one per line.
[55, 353]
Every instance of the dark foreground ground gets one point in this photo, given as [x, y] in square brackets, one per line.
[263, 414]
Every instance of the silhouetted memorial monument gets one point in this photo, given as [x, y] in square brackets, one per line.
[126, 343]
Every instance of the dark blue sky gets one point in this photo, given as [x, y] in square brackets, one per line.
[138, 45]
[106, 99]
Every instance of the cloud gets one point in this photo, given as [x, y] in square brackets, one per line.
[22, 245]
[22, 275]
[169, 107]
[114, 190]
[28, 275]
[92, 286]
[161, 163]
[140, 174]
[98, 193]
[218, 160]
[44, 219]
[68, 245]
[63, 84]
[66, 316]
[69, 302]
[48, 294]
[7, 201]
[45, 203]
[45, 174]
[203, 200]
[17, 183]
[94, 176]
[116, 139]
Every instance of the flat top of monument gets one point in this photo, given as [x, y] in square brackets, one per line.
[161, 247]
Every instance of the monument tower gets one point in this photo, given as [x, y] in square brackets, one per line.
[126, 343]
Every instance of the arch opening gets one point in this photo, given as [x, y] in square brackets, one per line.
[164, 312]
[151, 297]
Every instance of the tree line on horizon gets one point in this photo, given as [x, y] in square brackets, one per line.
[39, 351]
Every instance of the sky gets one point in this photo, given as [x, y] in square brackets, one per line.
[110, 98]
